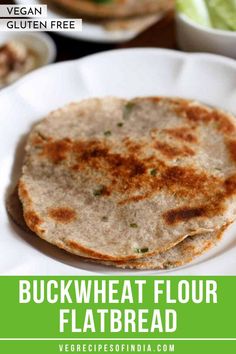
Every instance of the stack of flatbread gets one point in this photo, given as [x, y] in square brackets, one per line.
[147, 183]
[116, 14]
[114, 8]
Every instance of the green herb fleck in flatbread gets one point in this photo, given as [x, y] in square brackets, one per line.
[98, 191]
[128, 109]
[153, 172]
[141, 250]
[107, 133]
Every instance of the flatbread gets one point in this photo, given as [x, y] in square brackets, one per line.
[114, 8]
[183, 253]
[120, 180]
[179, 255]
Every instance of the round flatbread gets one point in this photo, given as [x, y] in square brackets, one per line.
[120, 180]
[114, 8]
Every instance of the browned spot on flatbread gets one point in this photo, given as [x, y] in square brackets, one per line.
[184, 182]
[87, 150]
[23, 190]
[125, 167]
[33, 221]
[154, 99]
[63, 215]
[183, 214]
[57, 150]
[195, 113]
[215, 206]
[133, 147]
[179, 178]
[182, 134]
[23, 193]
[232, 149]
[97, 155]
[224, 124]
[230, 185]
[198, 114]
[173, 151]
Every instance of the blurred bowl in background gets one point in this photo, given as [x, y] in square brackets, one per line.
[41, 43]
[192, 37]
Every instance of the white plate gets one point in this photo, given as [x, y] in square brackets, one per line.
[126, 73]
[91, 31]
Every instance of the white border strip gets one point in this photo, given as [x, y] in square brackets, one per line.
[118, 339]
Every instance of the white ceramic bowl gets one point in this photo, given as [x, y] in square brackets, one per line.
[193, 37]
[41, 43]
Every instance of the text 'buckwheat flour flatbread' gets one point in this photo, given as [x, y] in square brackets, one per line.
[121, 180]
[181, 254]
[114, 8]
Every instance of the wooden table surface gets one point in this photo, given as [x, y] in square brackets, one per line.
[162, 34]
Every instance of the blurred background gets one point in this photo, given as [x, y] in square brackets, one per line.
[160, 34]
[188, 25]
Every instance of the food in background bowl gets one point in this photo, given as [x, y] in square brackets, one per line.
[15, 61]
[114, 8]
[219, 14]
[202, 27]
[21, 53]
